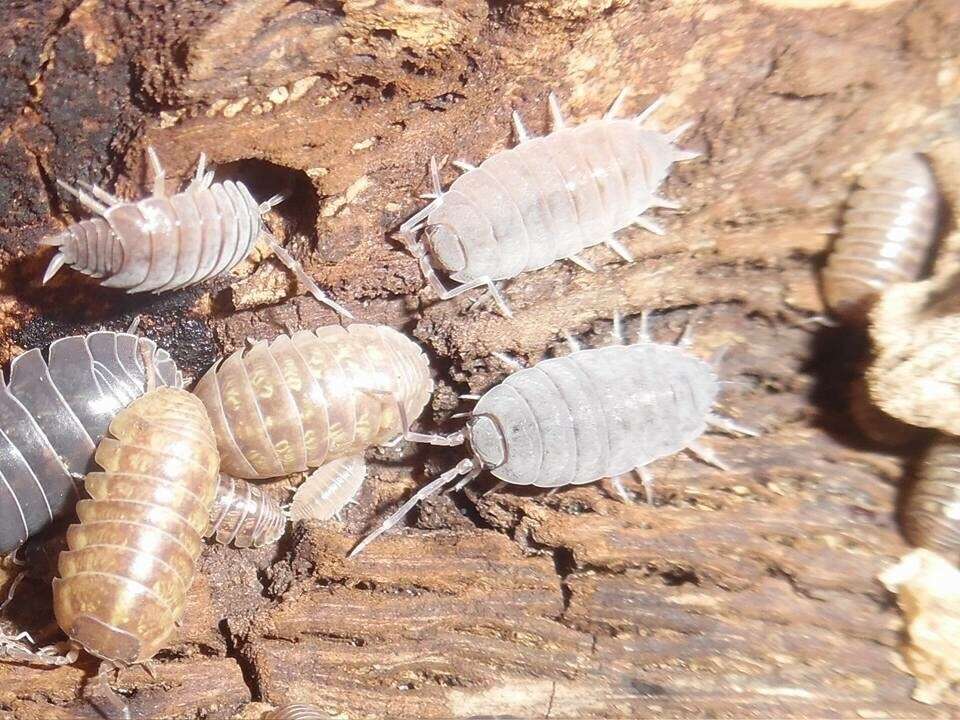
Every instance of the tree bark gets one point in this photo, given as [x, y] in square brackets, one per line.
[751, 592]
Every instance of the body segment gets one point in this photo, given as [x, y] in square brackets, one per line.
[296, 402]
[889, 230]
[125, 577]
[242, 514]
[931, 513]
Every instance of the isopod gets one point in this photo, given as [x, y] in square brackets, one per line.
[166, 242]
[328, 490]
[596, 413]
[931, 513]
[298, 401]
[244, 515]
[124, 579]
[889, 230]
[296, 711]
[52, 415]
[546, 199]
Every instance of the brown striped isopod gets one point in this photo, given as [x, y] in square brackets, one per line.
[889, 230]
[165, 242]
[242, 514]
[931, 513]
[301, 400]
[125, 577]
[546, 199]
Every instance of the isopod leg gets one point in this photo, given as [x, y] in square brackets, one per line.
[686, 337]
[616, 329]
[297, 269]
[619, 248]
[649, 225]
[522, 134]
[556, 115]
[661, 202]
[572, 342]
[617, 104]
[731, 426]
[118, 706]
[508, 360]
[707, 455]
[644, 335]
[582, 262]
[450, 440]
[159, 174]
[432, 488]
[86, 200]
[617, 484]
[651, 109]
[101, 194]
[463, 165]
[445, 294]
[646, 478]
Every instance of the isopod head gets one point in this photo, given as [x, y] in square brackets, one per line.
[487, 440]
[445, 247]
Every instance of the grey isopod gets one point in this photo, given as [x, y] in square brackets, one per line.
[52, 415]
[165, 242]
[596, 413]
[546, 199]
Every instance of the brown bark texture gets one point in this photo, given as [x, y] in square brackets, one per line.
[747, 593]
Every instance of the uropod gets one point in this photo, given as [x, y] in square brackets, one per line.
[595, 413]
[546, 199]
[166, 242]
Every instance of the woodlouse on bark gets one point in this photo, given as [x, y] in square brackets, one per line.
[52, 415]
[889, 230]
[328, 490]
[299, 401]
[931, 513]
[125, 577]
[242, 514]
[596, 413]
[166, 242]
[546, 199]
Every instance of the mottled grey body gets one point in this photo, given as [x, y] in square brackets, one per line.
[164, 242]
[594, 414]
[52, 415]
[548, 199]
[931, 513]
[889, 230]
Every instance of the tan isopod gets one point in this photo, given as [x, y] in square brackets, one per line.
[244, 515]
[165, 242]
[301, 400]
[125, 577]
[931, 513]
[889, 230]
[296, 711]
[328, 490]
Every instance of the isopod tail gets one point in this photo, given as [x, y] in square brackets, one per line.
[56, 262]
[465, 467]
[90, 246]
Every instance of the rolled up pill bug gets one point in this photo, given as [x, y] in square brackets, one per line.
[245, 516]
[169, 242]
[124, 579]
[300, 401]
[931, 513]
[889, 231]
[546, 199]
[596, 413]
[52, 415]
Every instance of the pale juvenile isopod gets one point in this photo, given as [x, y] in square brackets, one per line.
[546, 199]
[244, 515]
[596, 413]
[931, 513]
[52, 415]
[167, 242]
[889, 230]
[297, 711]
[328, 490]
[299, 401]
[125, 577]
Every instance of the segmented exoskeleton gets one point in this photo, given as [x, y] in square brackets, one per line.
[931, 514]
[889, 230]
[298, 401]
[328, 490]
[546, 199]
[297, 711]
[165, 242]
[52, 415]
[593, 414]
[244, 515]
[124, 579]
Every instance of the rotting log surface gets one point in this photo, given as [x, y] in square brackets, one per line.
[744, 593]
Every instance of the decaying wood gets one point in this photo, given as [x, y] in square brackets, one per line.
[750, 592]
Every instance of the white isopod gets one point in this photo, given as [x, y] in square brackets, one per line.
[169, 242]
[546, 199]
[596, 413]
[329, 489]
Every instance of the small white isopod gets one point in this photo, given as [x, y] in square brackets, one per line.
[546, 199]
